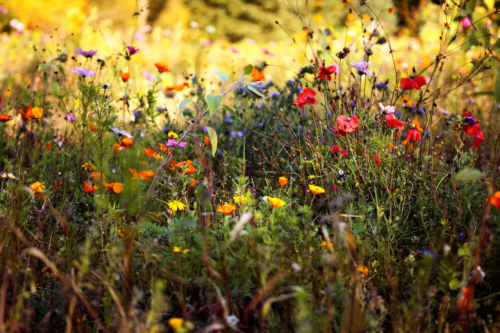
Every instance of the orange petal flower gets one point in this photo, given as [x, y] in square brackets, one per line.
[177, 87]
[162, 67]
[127, 142]
[257, 75]
[463, 300]
[150, 152]
[5, 117]
[47, 146]
[207, 140]
[147, 175]
[135, 175]
[88, 188]
[283, 181]
[172, 164]
[116, 187]
[194, 181]
[92, 127]
[125, 76]
[96, 176]
[28, 114]
[495, 200]
[227, 209]
[163, 148]
[37, 112]
[117, 148]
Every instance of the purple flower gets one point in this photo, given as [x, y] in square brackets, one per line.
[148, 76]
[465, 22]
[83, 71]
[139, 37]
[86, 54]
[266, 51]
[71, 117]
[132, 50]
[233, 49]
[362, 67]
[443, 111]
[173, 142]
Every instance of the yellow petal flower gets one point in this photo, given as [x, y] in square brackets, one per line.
[276, 202]
[316, 189]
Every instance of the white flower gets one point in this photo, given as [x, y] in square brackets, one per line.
[232, 320]
[296, 267]
[387, 109]
[264, 198]
[117, 131]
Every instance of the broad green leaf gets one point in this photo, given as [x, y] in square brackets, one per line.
[55, 88]
[213, 103]
[222, 76]
[470, 41]
[230, 110]
[182, 106]
[248, 69]
[469, 174]
[255, 91]
[44, 67]
[212, 134]
[455, 284]
[470, 5]
[496, 89]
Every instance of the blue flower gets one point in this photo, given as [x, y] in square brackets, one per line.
[420, 111]
[398, 114]
[240, 134]
[428, 252]
[299, 89]
[275, 94]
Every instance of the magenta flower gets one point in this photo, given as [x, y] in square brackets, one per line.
[132, 50]
[83, 71]
[465, 22]
[173, 142]
[233, 49]
[4, 10]
[362, 67]
[86, 54]
[71, 117]
[148, 76]
[266, 51]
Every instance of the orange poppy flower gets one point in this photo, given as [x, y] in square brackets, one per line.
[495, 200]
[28, 114]
[38, 189]
[177, 87]
[258, 75]
[463, 300]
[190, 168]
[5, 117]
[150, 152]
[117, 148]
[147, 175]
[92, 127]
[37, 112]
[116, 187]
[283, 181]
[207, 140]
[88, 188]
[194, 181]
[126, 142]
[125, 76]
[96, 176]
[163, 148]
[227, 209]
[162, 67]
[172, 164]
[135, 175]
[47, 146]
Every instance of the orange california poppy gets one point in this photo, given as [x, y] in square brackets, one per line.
[28, 114]
[88, 188]
[162, 67]
[194, 181]
[116, 187]
[190, 168]
[126, 142]
[135, 175]
[117, 148]
[172, 164]
[96, 176]
[147, 175]
[38, 189]
[150, 152]
[283, 181]
[227, 209]
[5, 117]
[125, 76]
[258, 75]
[207, 140]
[163, 148]
[390, 10]
[495, 200]
[463, 300]
[47, 146]
[37, 112]
[177, 87]
[92, 127]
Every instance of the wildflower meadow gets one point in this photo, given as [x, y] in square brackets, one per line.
[250, 166]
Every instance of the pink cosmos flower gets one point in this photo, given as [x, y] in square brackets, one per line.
[71, 117]
[362, 67]
[173, 142]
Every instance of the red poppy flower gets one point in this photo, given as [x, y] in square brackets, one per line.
[5, 117]
[335, 149]
[47, 146]
[393, 122]
[413, 135]
[478, 138]
[325, 73]
[416, 83]
[306, 97]
[339, 131]
[345, 153]
[348, 124]
[377, 160]
[335, 187]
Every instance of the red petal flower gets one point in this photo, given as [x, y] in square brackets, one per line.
[325, 73]
[339, 131]
[377, 160]
[306, 97]
[345, 153]
[416, 83]
[413, 135]
[478, 138]
[393, 122]
[335, 149]
[348, 124]
[471, 129]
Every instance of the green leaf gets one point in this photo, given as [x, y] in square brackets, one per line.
[496, 89]
[463, 251]
[222, 76]
[470, 5]
[469, 174]
[212, 134]
[471, 40]
[247, 70]
[213, 103]
[55, 88]
[255, 91]
[44, 67]
[182, 106]
[230, 110]
[455, 284]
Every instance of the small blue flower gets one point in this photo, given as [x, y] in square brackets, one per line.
[398, 114]
[299, 89]
[220, 152]
[428, 252]
[233, 134]
[240, 134]
[420, 111]
[341, 174]
[275, 94]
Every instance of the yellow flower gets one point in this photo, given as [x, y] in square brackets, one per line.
[276, 202]
[78, 102]
[417, 124]
[283, 181]
[7, 93]
[240, 200]
[37, 112]
[38, 189]
[318, 18]
[227, 209]
[88, 166]
[176, 205]
[363, 270]
[256, 149]
[178, 249]
[262, 230]
[316, 189]
[328, 245]
[172, 135]
[176, 323]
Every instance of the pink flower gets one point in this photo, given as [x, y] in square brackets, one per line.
[132, 50]
[348, 124]
[465, 22]
[266, 51]
[148, 76]
[362, 67]
[139, 37]
[233, 49]
[173, 142]
[71, 117]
